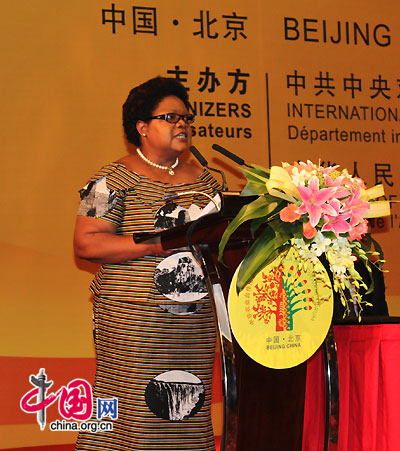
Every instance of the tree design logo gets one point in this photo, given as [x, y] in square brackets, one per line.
[281, 295]
[282, 316]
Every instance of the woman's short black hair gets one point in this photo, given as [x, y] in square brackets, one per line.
[143, 100]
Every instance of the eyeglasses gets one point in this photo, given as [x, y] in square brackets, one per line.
[173, 118]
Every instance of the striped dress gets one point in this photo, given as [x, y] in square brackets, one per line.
[154, 326]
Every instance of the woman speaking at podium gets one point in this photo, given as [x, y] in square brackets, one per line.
[153, 321]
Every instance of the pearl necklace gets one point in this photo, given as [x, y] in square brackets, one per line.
[170, 169]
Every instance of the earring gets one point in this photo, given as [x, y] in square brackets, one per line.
[144, 135]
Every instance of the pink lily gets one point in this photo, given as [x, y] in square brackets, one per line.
[341, 192]
[356, 207]
[315, 200]
[328, 170]
[308, 167]
[337, 224]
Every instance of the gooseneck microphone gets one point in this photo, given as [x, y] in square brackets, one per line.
[199, 156]
[204, 163]
[230, 155]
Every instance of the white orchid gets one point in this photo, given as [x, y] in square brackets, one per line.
[340, 257]
[305, 251]
[320, 244]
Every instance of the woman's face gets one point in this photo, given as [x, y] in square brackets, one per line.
[161, 136]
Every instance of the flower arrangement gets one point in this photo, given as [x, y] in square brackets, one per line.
[318, 210]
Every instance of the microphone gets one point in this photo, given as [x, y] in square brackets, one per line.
[199, 156]
[204, 163]
[230, 155]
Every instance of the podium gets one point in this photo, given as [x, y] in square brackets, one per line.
[263, 407]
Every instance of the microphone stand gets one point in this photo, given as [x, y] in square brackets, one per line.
[204, 163]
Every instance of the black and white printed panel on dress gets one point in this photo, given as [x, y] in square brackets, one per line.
[175, 395]
[180, 278]
[96, 199]
[173, 215]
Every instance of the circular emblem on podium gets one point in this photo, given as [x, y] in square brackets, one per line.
[283, 315]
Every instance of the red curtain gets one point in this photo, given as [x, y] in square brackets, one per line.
[369, 392]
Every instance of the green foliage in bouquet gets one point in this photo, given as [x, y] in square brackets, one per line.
[318, 211]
